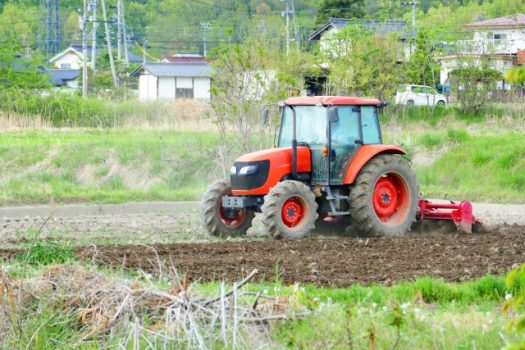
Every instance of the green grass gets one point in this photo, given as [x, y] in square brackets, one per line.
[119, 165]
[105, 165]
[483, 167]
[430, 313]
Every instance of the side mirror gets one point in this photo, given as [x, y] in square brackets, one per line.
[384, 103]
[333, 115]
[264, 116]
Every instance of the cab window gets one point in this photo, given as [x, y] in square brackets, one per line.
[370, 123]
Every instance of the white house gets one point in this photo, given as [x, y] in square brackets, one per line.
[497, 42]
[72, 58]
[170, 81]
[327, 33]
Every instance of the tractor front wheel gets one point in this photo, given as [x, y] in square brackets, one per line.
[384, 197]
[289, 210]
[218, 221]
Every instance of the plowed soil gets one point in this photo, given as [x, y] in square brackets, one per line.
[326, 261]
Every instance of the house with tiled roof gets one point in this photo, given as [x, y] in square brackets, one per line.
[496, 42]
[327, 33]
[72, 58]
[174, 80]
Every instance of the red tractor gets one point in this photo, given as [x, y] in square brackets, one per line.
[330, 165]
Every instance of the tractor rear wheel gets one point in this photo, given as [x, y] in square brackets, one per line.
[219, 222]
[289, 210]
[383, 200]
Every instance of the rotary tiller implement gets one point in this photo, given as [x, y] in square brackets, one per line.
[459, 213]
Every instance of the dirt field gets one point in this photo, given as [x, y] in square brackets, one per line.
[326, 261]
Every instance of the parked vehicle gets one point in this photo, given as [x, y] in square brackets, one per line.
[419, 95]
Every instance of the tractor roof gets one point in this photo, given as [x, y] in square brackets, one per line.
[332, 100]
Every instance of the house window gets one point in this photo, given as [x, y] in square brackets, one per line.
[184, 92]
[65, 65]
[500, 36]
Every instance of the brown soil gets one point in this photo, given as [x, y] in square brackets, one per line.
[326, 261]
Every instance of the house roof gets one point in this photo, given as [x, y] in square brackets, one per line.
[512, 21]
[332, 100]
[59, 77]
[184, 70]
[185, 57]
[380, 27]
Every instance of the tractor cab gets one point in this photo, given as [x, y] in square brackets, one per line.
[333, 133]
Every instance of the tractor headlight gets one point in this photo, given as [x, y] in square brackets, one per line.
[248, 170]
[233, 170]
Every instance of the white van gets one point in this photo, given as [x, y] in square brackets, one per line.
[419, 95]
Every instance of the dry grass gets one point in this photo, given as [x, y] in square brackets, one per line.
[186, 114]
[138, 314]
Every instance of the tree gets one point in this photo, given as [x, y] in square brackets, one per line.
[423, 68]
[18, 72]
[474, 84]
[365, 64]
[340, 9]
[248, 78]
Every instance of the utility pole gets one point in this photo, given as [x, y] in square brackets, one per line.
[48, 28]
[94, 43]
[124, 33]
[83, 24]
[414, 5]
[287, 16]
[205, 26]
[295, 26]
[57, 29]
[108, 43]
[119, 32]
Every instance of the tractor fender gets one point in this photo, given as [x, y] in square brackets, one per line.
[363, 156]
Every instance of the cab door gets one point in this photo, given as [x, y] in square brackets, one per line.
[345, 140]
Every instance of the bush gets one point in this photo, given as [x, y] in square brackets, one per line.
[45, 253]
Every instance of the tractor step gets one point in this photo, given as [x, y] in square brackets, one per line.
[459, 213]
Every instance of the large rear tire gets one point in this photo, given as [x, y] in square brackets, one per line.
[217, 221]
[289, 210]
[383, 200]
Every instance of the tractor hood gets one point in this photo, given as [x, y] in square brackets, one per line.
[277, 161]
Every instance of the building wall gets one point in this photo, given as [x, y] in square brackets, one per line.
[147, 87]
[497, 63]
[165, 88]
[202, 87]
[70, 58]
[495, 41]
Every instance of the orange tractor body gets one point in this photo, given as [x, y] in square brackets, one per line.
[330, 165]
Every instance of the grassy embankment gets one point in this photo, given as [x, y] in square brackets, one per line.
[427, 313]
[480, 158]
[109, 165]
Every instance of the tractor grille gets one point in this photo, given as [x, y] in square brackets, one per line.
[253, 176]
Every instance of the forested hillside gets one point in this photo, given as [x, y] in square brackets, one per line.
[171, 26]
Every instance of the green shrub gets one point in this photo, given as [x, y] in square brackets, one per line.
[45, 253]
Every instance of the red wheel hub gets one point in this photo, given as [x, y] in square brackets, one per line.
[293, 211]
[391, 198]
[232, 222]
